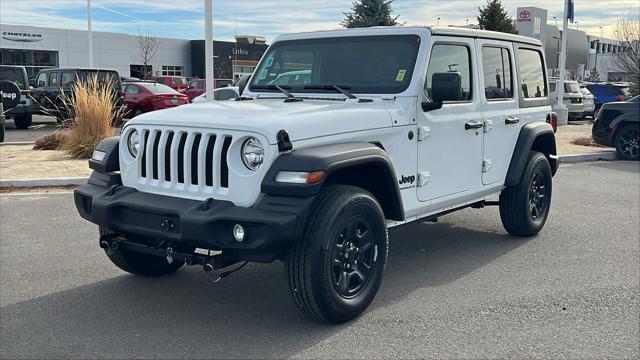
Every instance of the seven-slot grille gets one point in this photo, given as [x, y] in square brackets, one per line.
[184, 159]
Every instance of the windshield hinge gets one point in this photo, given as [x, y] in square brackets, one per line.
[423, 132]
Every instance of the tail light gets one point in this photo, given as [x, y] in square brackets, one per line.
[552, 119]
[619, 98]
[121, 95]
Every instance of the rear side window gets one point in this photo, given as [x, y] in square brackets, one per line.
[496, 65]
[53, 78]
[131, 90]
[68, 78]
[532, 81]
[446, 61]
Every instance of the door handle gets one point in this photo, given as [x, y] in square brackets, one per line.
[473, 125]
[511, 120]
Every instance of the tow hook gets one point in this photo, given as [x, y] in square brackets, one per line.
[109, 246]
[169, 256]
[211, 271]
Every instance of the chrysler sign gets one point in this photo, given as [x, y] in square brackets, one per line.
[21, 36]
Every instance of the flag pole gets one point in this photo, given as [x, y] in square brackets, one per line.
[563, 113]
[208, 48]
[90, 33]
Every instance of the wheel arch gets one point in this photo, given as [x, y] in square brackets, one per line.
[364, 165]
[536, 136]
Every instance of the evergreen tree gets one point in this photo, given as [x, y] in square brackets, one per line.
[594, 75]
[365, 13]
[494, 17]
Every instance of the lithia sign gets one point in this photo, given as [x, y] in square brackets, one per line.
[21, 36]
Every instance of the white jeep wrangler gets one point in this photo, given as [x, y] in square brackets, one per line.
[337, 137]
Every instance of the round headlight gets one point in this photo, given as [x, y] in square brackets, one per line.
[133, 143]
[252, 153]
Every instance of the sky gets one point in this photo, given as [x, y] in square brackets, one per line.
[185, 19]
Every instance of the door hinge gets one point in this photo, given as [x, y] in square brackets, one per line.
[488, 126]
[423, 178]
[423, 132]
[486, 165]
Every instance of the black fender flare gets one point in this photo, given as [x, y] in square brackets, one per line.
[111, 160]
[533, 136]
[333, 159]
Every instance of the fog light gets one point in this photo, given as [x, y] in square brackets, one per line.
[238, 233]
[98, 155]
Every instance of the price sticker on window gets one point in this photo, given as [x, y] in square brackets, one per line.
[401, 74]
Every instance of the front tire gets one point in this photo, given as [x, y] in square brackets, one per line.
[627, 142]
[335, 270]
[524, 208]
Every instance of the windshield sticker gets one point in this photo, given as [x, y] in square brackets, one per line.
[263, 74]
[269, 62]
[401, 74]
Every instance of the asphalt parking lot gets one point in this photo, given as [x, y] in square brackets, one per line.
[459, 288]
[42, 125]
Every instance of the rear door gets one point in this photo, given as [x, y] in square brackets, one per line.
[500, 108]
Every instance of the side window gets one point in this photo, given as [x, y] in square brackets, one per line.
[496, 65]
[131, 90]
[226, 94]
[53, 78]
[42, 80]
[533, 84]
[68, 78]
[449, 74]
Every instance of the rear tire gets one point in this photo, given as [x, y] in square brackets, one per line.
[335, 270]
[524, 208]
[23, 121]
[141, 264]
[627, 142]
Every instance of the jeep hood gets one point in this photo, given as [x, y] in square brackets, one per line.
[302, 120]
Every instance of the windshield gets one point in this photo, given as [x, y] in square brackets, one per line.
[159, 89]
[178, 81]
[363, 64]
[571, 88]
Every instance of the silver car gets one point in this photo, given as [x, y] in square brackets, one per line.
[572, 98]
[589, 102]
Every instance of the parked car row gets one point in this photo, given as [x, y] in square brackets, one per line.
[584, 99]
[617, 124]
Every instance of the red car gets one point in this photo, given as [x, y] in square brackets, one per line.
[141, 97]
[197, 86]
[175, 82]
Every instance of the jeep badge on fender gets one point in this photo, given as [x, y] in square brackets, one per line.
[224, 178]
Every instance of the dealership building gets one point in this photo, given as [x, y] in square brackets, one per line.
[37, 48]
[585, 52]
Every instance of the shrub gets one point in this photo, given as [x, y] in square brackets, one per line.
[585, 141]
[90, 105]
[50, 141]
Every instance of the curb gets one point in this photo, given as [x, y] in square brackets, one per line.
[608, 155]
[18, 143]
[44, 182]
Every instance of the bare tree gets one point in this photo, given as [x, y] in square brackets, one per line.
[147, 48]
[627, 58]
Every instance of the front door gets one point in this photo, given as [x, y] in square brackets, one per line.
[499, 106]
[450, 138]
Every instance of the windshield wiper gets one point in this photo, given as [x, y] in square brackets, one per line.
[282, 89]
[342, 89]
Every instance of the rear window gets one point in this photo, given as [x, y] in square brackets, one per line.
[14, 75]
[571, 88]
[111, 77]
[159, 89]
[584, 91]
[178, 81]
[533, 84]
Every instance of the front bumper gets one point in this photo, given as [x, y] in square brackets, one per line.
[269, 226]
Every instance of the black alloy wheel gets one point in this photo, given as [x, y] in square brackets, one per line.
[354, 257]
[628, 142]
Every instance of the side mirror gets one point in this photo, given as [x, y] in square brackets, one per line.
[242, 83]
[430, 106]
[446, 87]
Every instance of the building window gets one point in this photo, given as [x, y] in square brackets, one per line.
[238, 69]
[32, 60]
[171, 70]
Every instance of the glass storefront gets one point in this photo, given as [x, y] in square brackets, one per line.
[32, 60]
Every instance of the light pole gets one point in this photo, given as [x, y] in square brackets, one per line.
[208, 48]
[595, 66]
[557, 53]
[438, 23]
[555, 18]
[90, 33]
[577, 25]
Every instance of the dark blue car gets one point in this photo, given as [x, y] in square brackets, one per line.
[605, 93]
